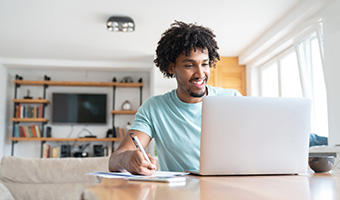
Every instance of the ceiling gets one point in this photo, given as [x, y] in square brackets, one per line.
[75, 31]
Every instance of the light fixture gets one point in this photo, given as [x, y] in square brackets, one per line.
[120, 24]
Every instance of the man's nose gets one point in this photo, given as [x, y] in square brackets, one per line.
[200, 72]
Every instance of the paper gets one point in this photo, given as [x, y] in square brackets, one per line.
[159, 179]
[127, 175]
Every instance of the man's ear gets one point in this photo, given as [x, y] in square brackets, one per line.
[171, 68]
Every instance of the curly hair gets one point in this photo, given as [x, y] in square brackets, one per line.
[182, 38]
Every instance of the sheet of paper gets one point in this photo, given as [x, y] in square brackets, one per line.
[159, 179]
[126, 175]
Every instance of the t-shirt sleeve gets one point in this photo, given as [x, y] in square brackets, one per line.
[142, 121]
[237, 93]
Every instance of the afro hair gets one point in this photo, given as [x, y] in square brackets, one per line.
[182, 38]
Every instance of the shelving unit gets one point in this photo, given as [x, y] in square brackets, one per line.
[46, 83]
[125, 112]
[17, 102]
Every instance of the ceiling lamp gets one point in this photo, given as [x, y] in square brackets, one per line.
[120, 24]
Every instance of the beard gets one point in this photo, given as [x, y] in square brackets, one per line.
[197, 94]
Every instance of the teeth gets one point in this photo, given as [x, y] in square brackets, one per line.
[198, 82]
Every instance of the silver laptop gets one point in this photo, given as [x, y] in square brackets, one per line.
[254, 135]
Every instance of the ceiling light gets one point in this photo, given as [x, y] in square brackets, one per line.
[120, 24]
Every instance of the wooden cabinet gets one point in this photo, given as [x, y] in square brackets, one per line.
[228, 74]
[45, 84]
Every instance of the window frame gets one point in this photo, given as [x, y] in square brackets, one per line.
[306, 66]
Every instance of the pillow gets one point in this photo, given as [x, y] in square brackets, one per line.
[50, 170]
[5, 194]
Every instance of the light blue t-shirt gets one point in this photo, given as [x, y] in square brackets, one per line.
[176, 128]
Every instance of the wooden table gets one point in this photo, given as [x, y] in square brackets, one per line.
[321, 186]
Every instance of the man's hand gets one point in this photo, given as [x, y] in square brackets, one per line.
[127, 157]
[135, 163]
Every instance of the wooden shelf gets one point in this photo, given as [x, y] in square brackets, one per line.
[66, 139]
[124, 112]
[29, 120]
[75, 83]
[33, 101]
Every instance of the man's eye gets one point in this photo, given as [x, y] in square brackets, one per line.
[189, 65]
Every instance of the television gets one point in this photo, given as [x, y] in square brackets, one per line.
[79, 108]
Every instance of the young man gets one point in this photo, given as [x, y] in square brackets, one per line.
[186, 52]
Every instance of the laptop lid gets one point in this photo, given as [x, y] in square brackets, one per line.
[254, 135]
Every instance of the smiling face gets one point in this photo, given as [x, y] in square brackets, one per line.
[192, 73]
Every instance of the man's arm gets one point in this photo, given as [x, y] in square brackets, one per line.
[128, 157]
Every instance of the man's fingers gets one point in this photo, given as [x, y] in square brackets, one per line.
[153, 161]
[143, 162]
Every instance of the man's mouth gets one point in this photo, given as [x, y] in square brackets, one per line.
[199, 82]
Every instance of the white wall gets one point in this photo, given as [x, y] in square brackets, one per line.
[331, 17]
[3, 91]
[32, 149]
[161, 84]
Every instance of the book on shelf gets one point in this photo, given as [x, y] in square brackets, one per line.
[46, 150]
[32, 131]
[55, 152]
[28, 111]
[40, 111]
[22, 131]
[16, 132]
[119, 132]
[32, 128]
[17, 109]
[37, 130]
[28, 132]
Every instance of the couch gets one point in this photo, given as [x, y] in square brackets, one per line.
[47, 178]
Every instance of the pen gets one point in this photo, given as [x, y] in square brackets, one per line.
[140, 147]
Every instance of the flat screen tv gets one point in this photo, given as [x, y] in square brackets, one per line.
[79, 108]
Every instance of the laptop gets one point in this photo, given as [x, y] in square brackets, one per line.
[254, 135]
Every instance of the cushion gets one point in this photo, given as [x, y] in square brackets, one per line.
[48, 178]
[50, 170]
[5, 194]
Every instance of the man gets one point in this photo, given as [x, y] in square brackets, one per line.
[186, 52]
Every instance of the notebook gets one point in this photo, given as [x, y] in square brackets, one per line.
[254, 135]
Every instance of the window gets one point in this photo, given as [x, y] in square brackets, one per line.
[282, 77]
[298, 73]
[290, 76]
[310, 58]
[269, 81]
